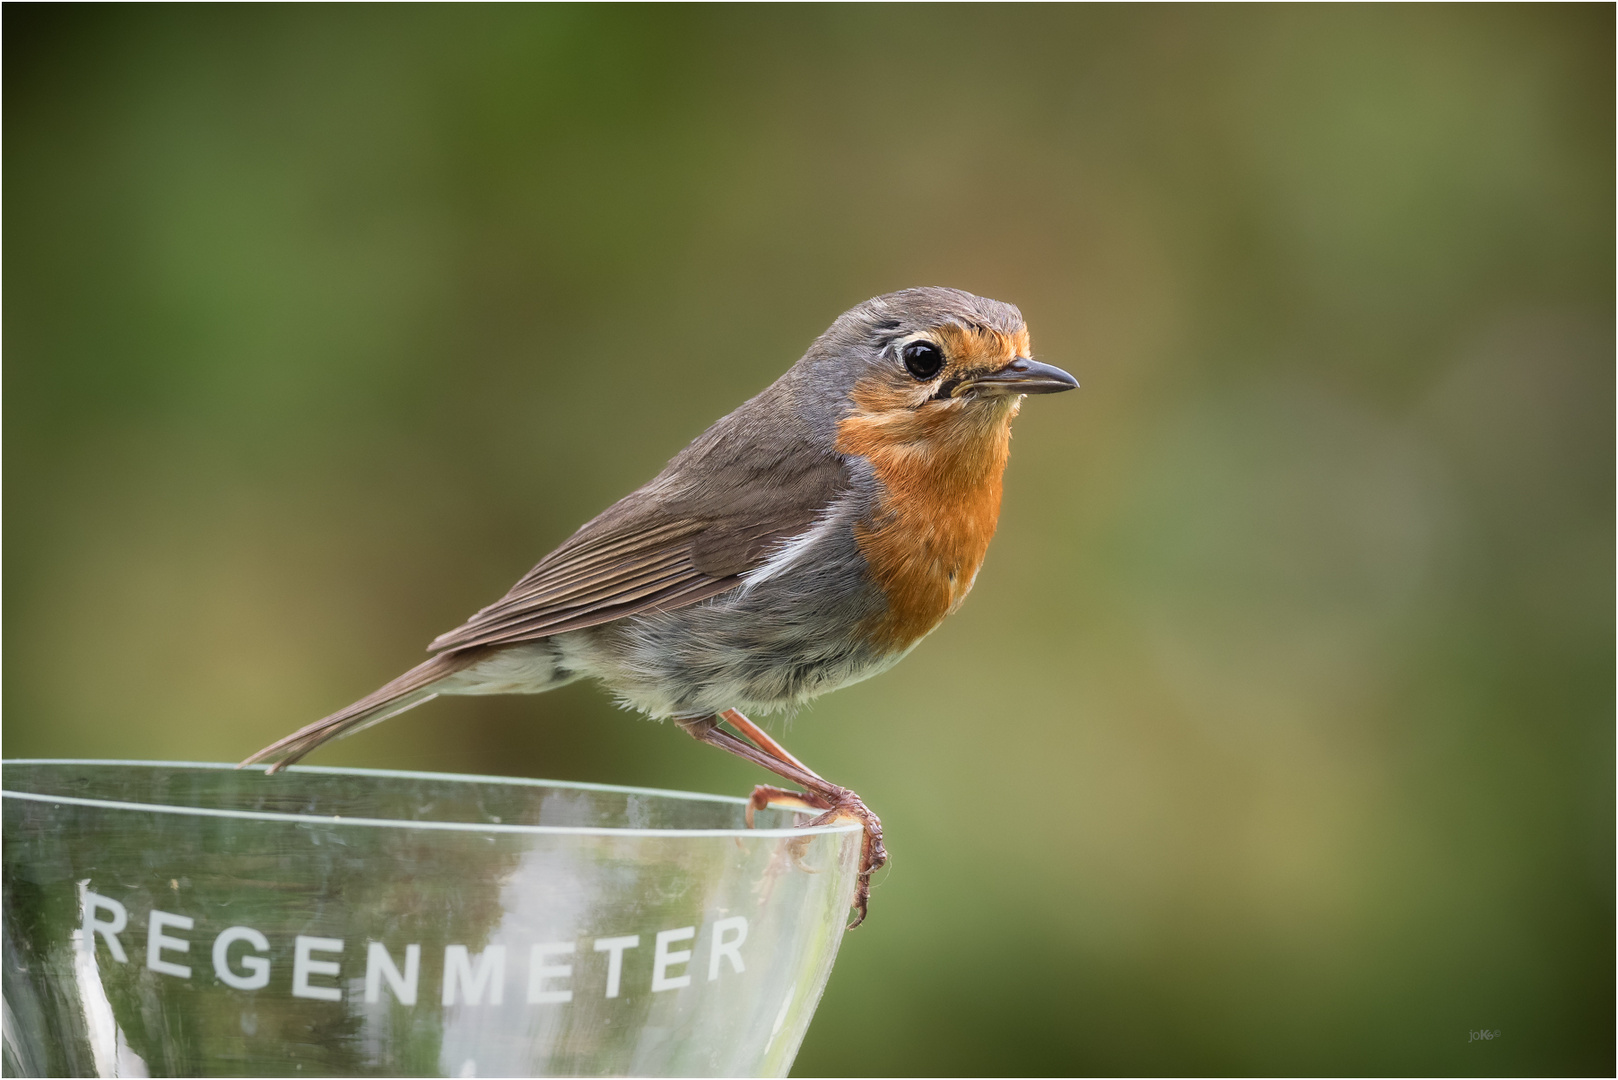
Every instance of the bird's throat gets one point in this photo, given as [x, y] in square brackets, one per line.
[940, 471]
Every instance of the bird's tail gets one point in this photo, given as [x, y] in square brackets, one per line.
[406, 692]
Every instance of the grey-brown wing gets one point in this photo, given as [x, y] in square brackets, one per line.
[657, 551]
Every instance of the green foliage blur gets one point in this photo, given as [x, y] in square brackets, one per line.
[1277, 736]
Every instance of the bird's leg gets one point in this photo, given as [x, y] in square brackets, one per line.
[839, 800]
[761, 739]
[765, 794]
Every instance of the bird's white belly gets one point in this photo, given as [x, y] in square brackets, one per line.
[531, 667]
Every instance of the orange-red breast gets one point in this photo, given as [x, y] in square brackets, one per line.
[806, 541]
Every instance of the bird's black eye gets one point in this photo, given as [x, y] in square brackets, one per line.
[923, 360]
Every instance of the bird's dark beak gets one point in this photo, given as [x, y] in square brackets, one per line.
[1021, 376]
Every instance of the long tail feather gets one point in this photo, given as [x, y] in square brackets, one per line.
[406, 692]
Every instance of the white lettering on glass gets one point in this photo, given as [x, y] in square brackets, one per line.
[157, 941]
[242, 958]
[615, 946]
[458, 971]
[730, 948]
[663, 959]
[379, 965]
[539, 971]
[258, 967]
[109, 929]
[304, 965]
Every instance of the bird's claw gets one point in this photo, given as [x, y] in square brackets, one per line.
[873, 856]
[766, 795]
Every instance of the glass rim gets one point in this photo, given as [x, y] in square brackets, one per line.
[403, 823]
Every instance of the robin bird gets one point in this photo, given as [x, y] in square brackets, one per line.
[806, 541]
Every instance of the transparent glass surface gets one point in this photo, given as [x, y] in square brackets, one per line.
[192, 920]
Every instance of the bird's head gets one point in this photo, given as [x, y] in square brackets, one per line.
[929, 369]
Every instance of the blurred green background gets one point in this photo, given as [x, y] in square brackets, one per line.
[1278, 734]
